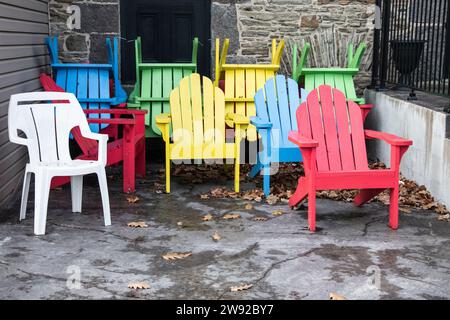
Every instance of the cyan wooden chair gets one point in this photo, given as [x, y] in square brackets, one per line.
[276, 104]
[90, 83]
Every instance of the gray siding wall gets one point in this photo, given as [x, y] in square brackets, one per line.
[23, 56]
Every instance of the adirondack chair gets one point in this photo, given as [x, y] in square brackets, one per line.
[241, 81]
[197, 117]
[91, 82]
[276, 104]
[331, 139]
[130, 149]
[340, 78]
[47, 127]
[154, 82]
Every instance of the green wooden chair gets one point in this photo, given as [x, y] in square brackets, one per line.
[154, 82]
[339, 78]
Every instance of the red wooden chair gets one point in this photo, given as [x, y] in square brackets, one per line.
[130, 149]
[331, 138]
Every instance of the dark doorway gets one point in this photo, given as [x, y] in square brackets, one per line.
[167, 28]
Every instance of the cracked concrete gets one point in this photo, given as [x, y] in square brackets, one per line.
[354, 254]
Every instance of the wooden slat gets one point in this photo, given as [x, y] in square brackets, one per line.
[156, 107]
[167, 84]
[274, 116]
[210, 136]
[358, 139]
[229, 90]
[93, 92]
[175, 112]
[240, 91]
[104, 93]
[197, 115]
[317, 130]
[343, 125]
[349, 87]
[82, 88]
[309, 83]
[219, 118]
[250, 90]
[294, 102]
[339, 83]
[146, 91]
[329, 79]
[261, 106]
[283, 109]
[186, 117]
[329, 123]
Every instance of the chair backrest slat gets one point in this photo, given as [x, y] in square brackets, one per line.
[198, 118]
[46, 118]
[336, 124]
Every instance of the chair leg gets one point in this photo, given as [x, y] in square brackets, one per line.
[167, 170]
[300, 193]
[266, 180]
[237, 175]
[255, 170]
[25, 191]
[103, 183]
[312, 210]
[41, 193]
[140, 161]
[76, 187]
[129, 169]
[393, 208]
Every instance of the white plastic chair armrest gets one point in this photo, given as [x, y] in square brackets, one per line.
[102, 145]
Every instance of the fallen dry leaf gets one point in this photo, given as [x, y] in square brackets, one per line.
[334, 296]
[248, 206]
[132, 198]
[231, 216]
[180, 223]
[260, 218]
[139, 285]
[216, 236]
[208, 217]
[204, 196]
[137, 224]
[241, 287]
[278, 213]
[272, 199]
[444, 217]
[176, 256]
[405, 210]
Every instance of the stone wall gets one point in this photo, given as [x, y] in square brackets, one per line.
[250, 25]
[99, 19]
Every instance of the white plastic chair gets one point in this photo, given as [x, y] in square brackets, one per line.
[46, 119]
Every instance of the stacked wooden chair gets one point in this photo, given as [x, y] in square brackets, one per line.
[340, 78]
[276, 105]
[331, 139]
[195, 127]
[241, 81]
[96, 86]
[154, 82]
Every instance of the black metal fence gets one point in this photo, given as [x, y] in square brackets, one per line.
[412, 48]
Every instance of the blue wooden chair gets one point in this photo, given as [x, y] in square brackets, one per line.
[90, 83]
[276, 105]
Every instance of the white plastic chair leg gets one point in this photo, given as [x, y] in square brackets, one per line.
[41, 193]
[105, 196]
[76, 186]
[25, 191]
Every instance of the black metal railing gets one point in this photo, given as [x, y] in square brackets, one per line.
[412, 47]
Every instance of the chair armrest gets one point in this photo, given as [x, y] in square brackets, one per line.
[393, 140]
[102, 144]
[366, 106]
[301, 141]
[260, 124]
[237, 119]
[116, 111]
[163, 118]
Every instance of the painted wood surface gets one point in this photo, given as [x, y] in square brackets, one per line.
[195, 128]
[154, 82]
[331, 138]
[241, 81]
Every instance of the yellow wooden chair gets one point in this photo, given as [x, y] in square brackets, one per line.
[241, 81]
[197, 117]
